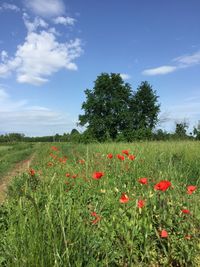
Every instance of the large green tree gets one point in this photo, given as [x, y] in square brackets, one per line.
[112, 108]
[106, 107]
[144, 108]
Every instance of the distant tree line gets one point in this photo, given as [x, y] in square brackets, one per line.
[75, 136]
[113, 112]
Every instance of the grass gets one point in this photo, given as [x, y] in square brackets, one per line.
[61, 216]
[12, 154]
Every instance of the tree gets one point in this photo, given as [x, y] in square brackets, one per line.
[196, 131]
[106, 108]
[144, 108]
[181, 130]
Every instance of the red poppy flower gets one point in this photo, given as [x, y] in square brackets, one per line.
[188, 237]
[141, 203]
[124, 198]
[67, 174]
[191, 189]
[50, 164]
[163, 233]
[121, 157]
[131, 157]
[125, 152]
[53, 156]
[143, 180]
[95, 221]
[31, 172]
[110, 156]
[162, 185]
[97, 217]
[74, 176]
[185, 211]
[54, 148]
[97, 175]
[81, 161]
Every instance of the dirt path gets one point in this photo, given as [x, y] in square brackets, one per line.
[18, 169]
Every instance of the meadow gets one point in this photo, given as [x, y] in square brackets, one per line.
[12, 153]
[114, 204]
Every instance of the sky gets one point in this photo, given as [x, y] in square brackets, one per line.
[51, 51]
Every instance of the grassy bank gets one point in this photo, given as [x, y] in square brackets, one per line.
[12, 154]
[89, 205]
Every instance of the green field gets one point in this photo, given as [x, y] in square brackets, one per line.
[12, 154]
[80, 207]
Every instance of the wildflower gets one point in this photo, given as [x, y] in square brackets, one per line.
[103, 191]
[97, 217]
[50, 164]
[143, 180]
[67, 174]
[63, 159]
[31, 172]
[121, 157]
[81, 161]
[185, 211]
[131, 157]
[124, 198]
[97, 175]
[163, 234]
[141, 203]
[53, 156]
[54, 148]
[74, 176]
[191, 189]
[110, 156]
[162, 185]
[125, 152]
[188, 237]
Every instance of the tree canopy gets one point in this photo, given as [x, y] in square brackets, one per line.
[144, 107]
[112, 108]
[106, 106]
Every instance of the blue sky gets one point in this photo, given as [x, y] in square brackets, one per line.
[51, 51]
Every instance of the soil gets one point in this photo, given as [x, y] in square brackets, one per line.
[18, 169]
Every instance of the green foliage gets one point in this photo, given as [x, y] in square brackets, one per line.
[196, 131]
[106, 106]
[144, 107]
[112, 110]
[181, 130]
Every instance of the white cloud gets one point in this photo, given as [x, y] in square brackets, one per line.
[64, 20]
[189, 60]
[125, 76]
[19, 116]
[159, 70]
[46, 8]
[4, 55]
[40, 56]
[180, 62]
[33, 26]
[8, 6]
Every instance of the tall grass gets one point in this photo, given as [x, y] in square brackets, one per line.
[50, 219]
[12, 154]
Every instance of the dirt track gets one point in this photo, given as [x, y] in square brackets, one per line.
[19, 168]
